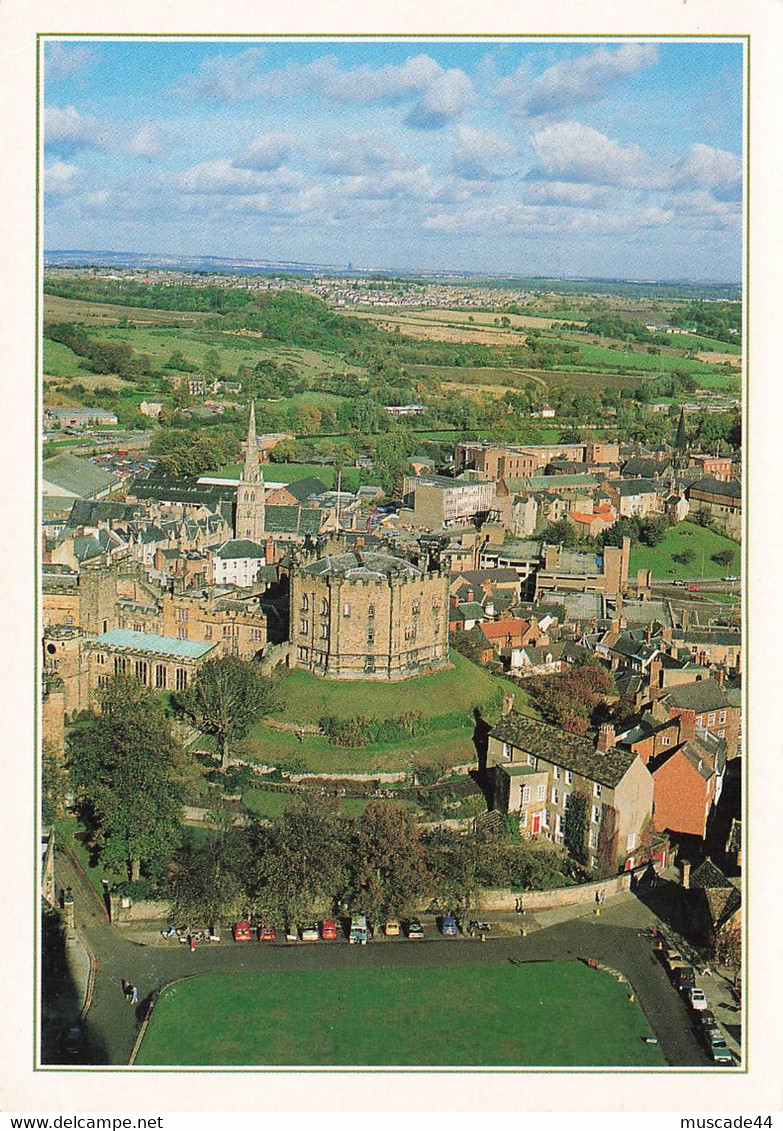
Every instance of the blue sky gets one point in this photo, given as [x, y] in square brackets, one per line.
[553, 157]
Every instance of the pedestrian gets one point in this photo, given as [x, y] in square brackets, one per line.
[126, 989]
[603, 895]
[134, 995]
[597, 896]
[191, 943]
[706, 972]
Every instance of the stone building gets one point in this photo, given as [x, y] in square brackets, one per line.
[368, 616]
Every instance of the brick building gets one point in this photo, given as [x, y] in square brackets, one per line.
[368, 615]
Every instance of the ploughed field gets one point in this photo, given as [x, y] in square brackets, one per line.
[542, 1014]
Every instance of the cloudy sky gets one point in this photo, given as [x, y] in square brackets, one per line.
[583, 157]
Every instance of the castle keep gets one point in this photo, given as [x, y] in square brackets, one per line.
[367, 616]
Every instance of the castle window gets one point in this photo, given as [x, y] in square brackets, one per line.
[302, 653]
[305, 603]
[140, 670]
[69, 621]
[346, 609]
[569, 777]
[103, 681]
[435, 605]
[324, 607]
[207, 631]
[101, 658]
[182, 679]
[182, 634]
[303, 626]
[324, 631]
[369, 663]
[160, 675]
[596, 789]
[416, 607]
[255, 633]
[596, 814]
[593, 838]
[370, 635]
[371, 611]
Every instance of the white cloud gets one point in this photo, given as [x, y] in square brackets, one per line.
[355, 154]
[146, 141]
[267, 151]
[708, 168]
[475, 150]
[59, 178]
[223, 177]
[438, 95]
[564, 193]
[574, 82]
[416, 183]
[64, 60]
[444, 99]
[66, 130]
[570, 151]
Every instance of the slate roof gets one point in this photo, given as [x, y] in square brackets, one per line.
[704, 695]
[363, 565]
[183, 489]
[302, 489]
[563, 749]
[470, 610]
[709, 485]
[240, 548]
[149, 642]
[707, 875]
[86, 512]
[496, 576]
[293, 520]
[731, 639]
[77, 476]
[629, 487]
[645, 468]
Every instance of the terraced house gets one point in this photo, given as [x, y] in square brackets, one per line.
[537, 769]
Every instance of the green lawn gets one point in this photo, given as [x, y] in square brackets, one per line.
[446, 746]
[686, 535]
[272, 803]
[558, 1014]
[307, 698]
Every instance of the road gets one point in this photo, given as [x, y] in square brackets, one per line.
[111, 1025]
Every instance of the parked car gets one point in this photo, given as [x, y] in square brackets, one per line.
[328, 929]
[448, 925]
[241, 931]
[415, 929]
[267, 934]
[684, 978]
[707, 1021]
[697, 998]
[310, 933]
[391, 927]
[717, 1048]
[693, 588]
[358, 931]
[730, 577]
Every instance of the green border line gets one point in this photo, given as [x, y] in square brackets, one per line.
[744, 39]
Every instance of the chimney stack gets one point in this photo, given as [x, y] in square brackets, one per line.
[606, 738]
[686, 874]
[508, 703]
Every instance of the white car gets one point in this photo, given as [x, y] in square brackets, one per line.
[310, 933]
[697, 998]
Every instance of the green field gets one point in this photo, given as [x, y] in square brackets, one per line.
[542, 1014]
[686, 535]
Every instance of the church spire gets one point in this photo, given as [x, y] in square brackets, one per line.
[250, 472]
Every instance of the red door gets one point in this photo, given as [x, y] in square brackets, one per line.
[536, 823]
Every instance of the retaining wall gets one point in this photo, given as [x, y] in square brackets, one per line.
[506, 899]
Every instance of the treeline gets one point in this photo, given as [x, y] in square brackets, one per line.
[179, 297]
[100, 356]
[314, 863]
[721, 320]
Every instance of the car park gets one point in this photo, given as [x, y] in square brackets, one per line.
[697, 999]
[241, 931]
[267, 934]
[310, 933]
[391, 927]
[415, 929]
[328, 929]
[448, 925]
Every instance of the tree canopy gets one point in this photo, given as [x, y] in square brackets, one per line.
[127, 770]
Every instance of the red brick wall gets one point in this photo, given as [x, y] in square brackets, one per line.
[680, 796]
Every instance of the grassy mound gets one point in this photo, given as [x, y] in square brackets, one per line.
[537, 1014]
[686, 536]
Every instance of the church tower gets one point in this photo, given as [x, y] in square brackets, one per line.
[250, 512]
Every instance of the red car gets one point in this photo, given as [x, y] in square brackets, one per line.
[266, 934]
[693, 588]
[242, 932]
[329, 929]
